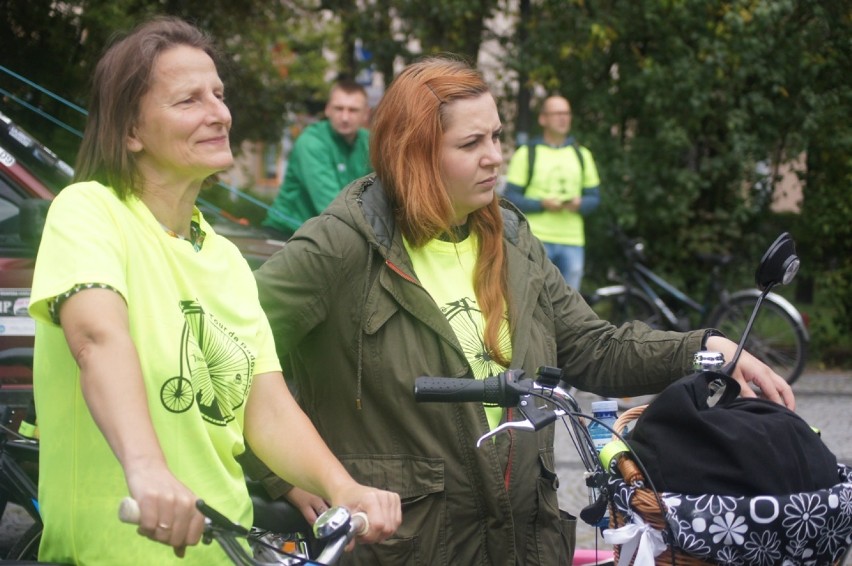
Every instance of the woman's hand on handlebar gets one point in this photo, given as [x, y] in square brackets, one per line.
[309, 505]
[752, 371]
[167, 508]
[383, 509]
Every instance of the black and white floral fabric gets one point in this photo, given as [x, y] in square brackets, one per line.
[800, 529]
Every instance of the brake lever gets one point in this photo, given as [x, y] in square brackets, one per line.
[536, 419]
[525, 425]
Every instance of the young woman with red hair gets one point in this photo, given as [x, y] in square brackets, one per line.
[420, 269]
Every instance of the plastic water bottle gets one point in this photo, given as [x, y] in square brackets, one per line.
[605, 411]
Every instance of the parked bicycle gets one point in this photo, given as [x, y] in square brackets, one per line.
[18, 459]
[334, 529]
[19, 468]
[779, 337]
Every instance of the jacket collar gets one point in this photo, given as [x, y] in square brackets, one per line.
[364, 206]
[338, 139]
[368, 196]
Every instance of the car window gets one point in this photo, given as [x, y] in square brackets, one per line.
[9, 210]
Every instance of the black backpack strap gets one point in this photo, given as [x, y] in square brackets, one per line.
[530, 164]
[576, 147]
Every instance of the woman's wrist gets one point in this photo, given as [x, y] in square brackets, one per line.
[709, 333]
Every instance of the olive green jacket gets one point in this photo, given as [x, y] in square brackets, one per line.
[355, 328]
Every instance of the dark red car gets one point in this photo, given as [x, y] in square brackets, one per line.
[21, 189]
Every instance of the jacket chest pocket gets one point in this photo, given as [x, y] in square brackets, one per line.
[402, 319]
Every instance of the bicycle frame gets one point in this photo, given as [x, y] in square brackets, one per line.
[640, 274]
[15, 485]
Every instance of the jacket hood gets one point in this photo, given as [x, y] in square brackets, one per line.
[364, 206]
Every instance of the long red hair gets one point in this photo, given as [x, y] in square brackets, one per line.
[405, 141]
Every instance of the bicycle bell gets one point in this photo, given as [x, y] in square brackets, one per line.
[706, 360]
[329, 523]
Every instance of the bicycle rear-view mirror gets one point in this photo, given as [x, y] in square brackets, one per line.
[779, 264]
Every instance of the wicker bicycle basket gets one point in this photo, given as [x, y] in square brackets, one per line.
[645, 503]
[651, 508]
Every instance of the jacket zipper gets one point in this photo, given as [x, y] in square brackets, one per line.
[400, 272]
[508, 475]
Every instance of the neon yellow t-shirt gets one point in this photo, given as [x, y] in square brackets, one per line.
[557, 174]
[201, 337]
[446, 271]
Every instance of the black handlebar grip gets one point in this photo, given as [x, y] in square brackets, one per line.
[458, 390]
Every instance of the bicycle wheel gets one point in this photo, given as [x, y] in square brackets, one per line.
[776, 338]
[620, 304]
[26, 548]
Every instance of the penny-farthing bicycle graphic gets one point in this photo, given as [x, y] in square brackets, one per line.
[466, 321]
[215, 369]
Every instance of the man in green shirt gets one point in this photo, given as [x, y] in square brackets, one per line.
[326, 157]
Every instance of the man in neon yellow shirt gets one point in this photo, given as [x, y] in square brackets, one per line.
[555, 187]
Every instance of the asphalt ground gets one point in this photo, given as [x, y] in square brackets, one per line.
[823, 399]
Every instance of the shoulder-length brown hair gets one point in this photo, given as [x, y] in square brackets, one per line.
[122, 77]
[405, 149]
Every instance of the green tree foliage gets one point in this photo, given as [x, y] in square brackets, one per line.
[273, 56]
[455, 26]
[406, 29]
[689, 106]
[825, 222]
[686, 103]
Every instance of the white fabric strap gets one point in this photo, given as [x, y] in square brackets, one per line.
[637, 538]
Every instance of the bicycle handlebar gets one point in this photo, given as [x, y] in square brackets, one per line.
[336, 526]
[128, 511]
[504, 389]
[512, 388]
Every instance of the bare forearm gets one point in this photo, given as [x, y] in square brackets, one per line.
[96, 328]
[272, 419]
[112, 385]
